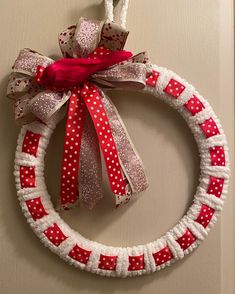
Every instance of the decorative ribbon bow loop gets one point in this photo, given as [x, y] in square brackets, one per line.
[94, 59]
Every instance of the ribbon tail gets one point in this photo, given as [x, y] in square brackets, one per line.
[22, 111]
[132, 165]
[72, 143]
[119, 186]
[90, 170]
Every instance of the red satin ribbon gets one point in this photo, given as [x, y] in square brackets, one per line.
[72, 144]
[74, 73]
[88, 96]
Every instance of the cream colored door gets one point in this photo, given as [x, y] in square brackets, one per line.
[194, 39]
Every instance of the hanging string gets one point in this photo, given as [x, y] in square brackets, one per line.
[123, 14]
[108, 4]
[109, 11]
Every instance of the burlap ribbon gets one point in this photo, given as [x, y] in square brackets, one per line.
[34, 100]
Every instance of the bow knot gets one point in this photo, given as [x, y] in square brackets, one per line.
[94, 59]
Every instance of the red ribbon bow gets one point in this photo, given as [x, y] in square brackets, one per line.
[40, 87]
[67, 74]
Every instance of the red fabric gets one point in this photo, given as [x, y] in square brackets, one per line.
[163, 256]
[36, 208]
[152, 79]
[80, 254]
[215, 186]
[205, 215]
[67, 73]
[72, 144]
[108, 262]
[55, 235]
[186, 240]
[30, 143]
[217, 156]
[27, 177]
[194, 105]
[136, 263]
[39, 73]
[174, 88]
[209, 128]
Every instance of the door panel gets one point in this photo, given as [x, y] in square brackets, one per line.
[194, 39]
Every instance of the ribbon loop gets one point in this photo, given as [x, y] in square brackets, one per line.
[46, 103]
[86, 37]
[127, 75]
[28, 61]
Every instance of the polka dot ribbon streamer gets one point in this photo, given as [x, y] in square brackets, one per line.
[90, 98]
[94, 60]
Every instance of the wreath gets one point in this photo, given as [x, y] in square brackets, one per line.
[44, 91]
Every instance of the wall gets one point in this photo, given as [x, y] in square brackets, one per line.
[193, 38]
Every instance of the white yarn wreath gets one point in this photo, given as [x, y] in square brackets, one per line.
[186, 235]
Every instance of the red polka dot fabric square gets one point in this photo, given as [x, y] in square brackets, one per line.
[174, 88]
[27, 177]
[55, 235]
[217, 156]
[30, 143]
[186, 240]
[152, 79]
[163, 256]
[215, 186]
[194, 105]
[108, 262]
[36, 208]
[136, 263]
[80, 254]
[209, 128]
[205, 215]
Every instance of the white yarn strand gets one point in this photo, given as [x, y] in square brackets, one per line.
[109, 12]
[108, 4]
[123, 14]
